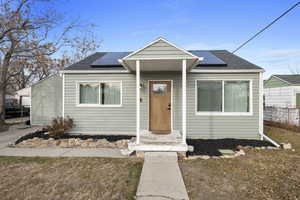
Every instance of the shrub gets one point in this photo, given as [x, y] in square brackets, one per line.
[59, 126]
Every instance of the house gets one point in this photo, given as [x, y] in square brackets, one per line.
[165, 94]
[282, 91]
[46, 100]
[23, 97]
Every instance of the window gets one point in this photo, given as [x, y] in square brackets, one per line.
[209, 96]
[236, 96]
[223, 97]
[160, 88]
[110, 93]
[106, 93]
[89, 93]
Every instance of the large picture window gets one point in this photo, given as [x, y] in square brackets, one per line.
[223, 96]
[106, 93]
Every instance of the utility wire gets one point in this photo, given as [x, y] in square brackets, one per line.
[262, 30]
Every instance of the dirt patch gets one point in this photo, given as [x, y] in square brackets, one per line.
[68, 178]
[260, 174]
[211, 146]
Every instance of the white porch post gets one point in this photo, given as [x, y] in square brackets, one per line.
[137, 101]
[184, 101]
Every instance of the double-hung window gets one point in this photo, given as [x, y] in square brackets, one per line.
[104, 93]
[223, 97]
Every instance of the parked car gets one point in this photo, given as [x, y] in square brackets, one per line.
[13, 109]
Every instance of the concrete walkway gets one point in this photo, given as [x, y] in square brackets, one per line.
[15, 132]
[19, 130]
[161, 178]
[62, 152]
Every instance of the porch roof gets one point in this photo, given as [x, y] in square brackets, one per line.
[160, 55]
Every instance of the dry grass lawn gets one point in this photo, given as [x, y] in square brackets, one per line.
[68, 178]
[261, 174]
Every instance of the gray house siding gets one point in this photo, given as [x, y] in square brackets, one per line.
[214, 127]
[102, 120]
[122, 120]
[46, 100]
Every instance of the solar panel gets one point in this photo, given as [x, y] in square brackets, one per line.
[208, 58]
[110, 58]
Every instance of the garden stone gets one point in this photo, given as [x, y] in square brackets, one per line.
[126, 152]
[190, 148]
[286, 145]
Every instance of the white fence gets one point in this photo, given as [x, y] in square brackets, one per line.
[282, 115]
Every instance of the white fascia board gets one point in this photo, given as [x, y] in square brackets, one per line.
[94, 71]
[226, 70]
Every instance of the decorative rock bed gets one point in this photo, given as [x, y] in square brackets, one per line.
[72, 143]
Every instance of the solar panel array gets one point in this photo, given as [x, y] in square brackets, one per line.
[111, 59]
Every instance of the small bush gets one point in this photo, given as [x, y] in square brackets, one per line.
[59, 126]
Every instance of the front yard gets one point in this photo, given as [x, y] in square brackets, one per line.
[68, 178]
[261, 174]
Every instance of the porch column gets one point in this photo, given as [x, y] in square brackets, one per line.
[137, 101]
[184, 101]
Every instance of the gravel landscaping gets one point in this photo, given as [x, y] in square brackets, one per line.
[40, 139]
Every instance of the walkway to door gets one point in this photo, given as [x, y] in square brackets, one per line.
[161, 178]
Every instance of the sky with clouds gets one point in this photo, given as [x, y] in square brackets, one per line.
[198, 24]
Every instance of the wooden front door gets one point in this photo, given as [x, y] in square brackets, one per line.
[160, 106]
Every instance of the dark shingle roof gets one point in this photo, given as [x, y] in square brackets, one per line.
[292, 79]
[232, 62]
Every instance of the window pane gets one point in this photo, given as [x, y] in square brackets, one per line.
[236, 96]
[159, 88]
[89, 93]
[209, 96]
[110, 93]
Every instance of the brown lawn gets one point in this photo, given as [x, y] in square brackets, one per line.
[261, 174]
[68, 178]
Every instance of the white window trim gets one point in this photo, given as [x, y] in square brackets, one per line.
[216, 113]
[78, 104]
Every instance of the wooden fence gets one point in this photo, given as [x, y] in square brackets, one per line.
[282, 115]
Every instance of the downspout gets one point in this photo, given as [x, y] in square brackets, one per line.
[261, 113]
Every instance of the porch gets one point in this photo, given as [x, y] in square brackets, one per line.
[160, 57]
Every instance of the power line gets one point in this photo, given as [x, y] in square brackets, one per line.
[262, 30]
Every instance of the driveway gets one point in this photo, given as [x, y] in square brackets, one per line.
[14, 132]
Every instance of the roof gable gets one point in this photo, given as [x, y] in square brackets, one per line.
[274, 82]
[160, 49]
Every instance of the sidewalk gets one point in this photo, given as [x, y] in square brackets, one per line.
[161, 178]
[62, 152]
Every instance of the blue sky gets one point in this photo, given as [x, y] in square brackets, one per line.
[197, 24]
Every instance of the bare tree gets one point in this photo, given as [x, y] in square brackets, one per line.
[24, 42]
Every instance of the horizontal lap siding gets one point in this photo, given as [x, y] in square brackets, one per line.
[46, 100]
[102, 119]
[222, 126]
[162, 50]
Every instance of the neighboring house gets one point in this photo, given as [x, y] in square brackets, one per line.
[23, 97]
[282, 91]
[164, 89]
[46, 100]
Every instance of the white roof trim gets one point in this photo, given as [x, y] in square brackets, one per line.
[225, 70]
[166, 41]
[94, 71]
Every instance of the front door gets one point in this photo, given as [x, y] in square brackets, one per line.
[160, 106]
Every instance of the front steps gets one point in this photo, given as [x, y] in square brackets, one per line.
[150, 142]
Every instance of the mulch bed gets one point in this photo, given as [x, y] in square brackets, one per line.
[211, 147]
[41, 134]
